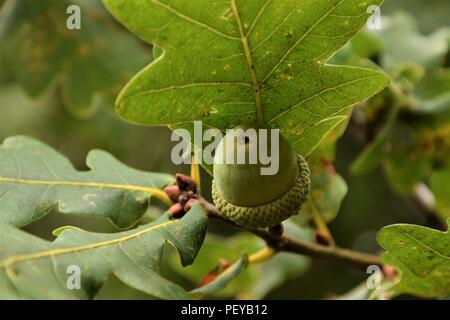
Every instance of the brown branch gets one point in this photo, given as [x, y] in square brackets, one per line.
[288, 244]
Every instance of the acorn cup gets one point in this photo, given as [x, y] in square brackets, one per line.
[247, 197]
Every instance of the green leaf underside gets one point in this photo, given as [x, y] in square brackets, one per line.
[232, 62]
[27, 262]
[222, 280]
[422, 255]
[35, 178]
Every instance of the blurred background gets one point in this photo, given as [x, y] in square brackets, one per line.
[59, 87]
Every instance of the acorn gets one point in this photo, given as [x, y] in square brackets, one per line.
[246, 196]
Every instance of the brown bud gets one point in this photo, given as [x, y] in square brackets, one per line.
[214, 273]
[224, 264]
[322, 238]
[176, 210]
[173, 192]
[389, 272]
[209, 277]
[189, 204]
[185, 183]
[182, 199]
[330, 168]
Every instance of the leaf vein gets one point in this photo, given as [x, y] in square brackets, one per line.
[317, 95]
[288, 52]
[192, 20]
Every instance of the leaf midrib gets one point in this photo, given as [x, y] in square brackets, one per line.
[248, 55]
[243, 38]
[425, 246]
[250, 64]
[153, 191]
[12, 260]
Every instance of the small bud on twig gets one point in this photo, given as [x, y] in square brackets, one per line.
[224, 264]
[182, 199]
[190, 203]
[322, 238]
[214, 273]
[185, 183]
[176, 210]
[173, 192]
[389, 272]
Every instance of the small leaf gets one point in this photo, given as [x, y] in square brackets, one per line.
[240, 62]
[328, 189]
[422, 255]
[34, 179]
[222, 280]
[27, 263]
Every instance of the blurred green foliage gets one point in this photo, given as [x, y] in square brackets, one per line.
[59, 86]
[408, 124]
[80, 65]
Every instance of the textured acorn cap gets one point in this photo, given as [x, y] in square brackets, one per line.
[272, 213]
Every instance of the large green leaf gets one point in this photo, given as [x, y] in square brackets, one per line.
[241, 61]
[422, 255]
[42, 50]
[32, 268]
[35, 178]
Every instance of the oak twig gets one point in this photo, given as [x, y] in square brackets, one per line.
[288, 244]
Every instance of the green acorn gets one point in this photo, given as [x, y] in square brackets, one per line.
[247, 197]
